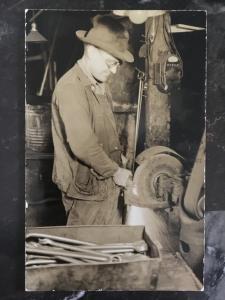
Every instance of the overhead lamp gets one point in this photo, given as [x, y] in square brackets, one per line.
[139, 16]
[180, 28]
[34, 36]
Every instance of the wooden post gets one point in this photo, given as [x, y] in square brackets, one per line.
[157, 106]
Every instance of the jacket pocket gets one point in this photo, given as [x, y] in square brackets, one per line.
[85, 181]
[115, 154]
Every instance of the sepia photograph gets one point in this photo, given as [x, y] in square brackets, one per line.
[115, 149]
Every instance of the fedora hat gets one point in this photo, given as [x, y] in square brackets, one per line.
[109, 35]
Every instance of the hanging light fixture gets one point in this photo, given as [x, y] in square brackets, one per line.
[34, 36]
[139, 16]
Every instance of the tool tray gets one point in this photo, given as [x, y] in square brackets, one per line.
[132, 275]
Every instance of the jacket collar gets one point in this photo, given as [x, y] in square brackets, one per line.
[87, 78]
[81, 75]
[89, 85]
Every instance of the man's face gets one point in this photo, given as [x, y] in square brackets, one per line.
[101, 64]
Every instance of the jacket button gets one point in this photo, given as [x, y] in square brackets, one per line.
[116, 148]
[92, 88]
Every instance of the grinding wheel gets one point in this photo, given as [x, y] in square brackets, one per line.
[146, 176]
[148, 153]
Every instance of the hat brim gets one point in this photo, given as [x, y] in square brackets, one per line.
[122, 55]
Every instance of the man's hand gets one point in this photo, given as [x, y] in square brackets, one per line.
[122, 176]
[124, 160]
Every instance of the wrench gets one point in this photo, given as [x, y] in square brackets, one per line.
[112, 258]
[68, 259]
[58, 238]
[60, 258]
[49, 242]
[40, 262]
[138, 246]
[72, 254]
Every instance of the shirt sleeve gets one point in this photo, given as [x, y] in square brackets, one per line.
[74, 112]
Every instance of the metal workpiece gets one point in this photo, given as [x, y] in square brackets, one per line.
[65, 253]
[120, 258]
[36, 256]
[126, 270]
[49, 242]
[68, 260]
[41, 246]
[117, 251]
[139, 246]
[59, 259]
[112, 253]
[73, 255]
[58, 238]
[40, 261]
[141, 77]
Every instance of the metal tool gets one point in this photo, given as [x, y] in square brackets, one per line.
[30, 257]
[50, 242]
[58, 238]
[138, 246]
[117, 251]
[65, 254]
[40, 262]
[80, 255]
[58, 258]
[68, 259]
[41, 90]
[141, 78]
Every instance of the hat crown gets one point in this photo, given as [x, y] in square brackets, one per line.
[109, 35]
[108, 30]
[103, 34]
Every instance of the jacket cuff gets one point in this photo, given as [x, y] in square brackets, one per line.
[107, 171]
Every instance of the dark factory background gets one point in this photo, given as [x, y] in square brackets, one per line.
[187, 100]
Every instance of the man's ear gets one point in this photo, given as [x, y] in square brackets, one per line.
[95, 19]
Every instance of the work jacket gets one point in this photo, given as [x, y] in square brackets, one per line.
[86, 145]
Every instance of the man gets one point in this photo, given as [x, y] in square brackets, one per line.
[87, 160]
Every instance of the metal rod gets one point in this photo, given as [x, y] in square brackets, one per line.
[40, 93]
[55, 72]
[58, 238]
[36, 15]
[72, 248]
[65, 253]
[51, 76]
[40, 262]
[68, 259]
[139, 246]
[139, 105]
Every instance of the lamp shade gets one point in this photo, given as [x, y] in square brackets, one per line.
[139, 16]
[34, 36]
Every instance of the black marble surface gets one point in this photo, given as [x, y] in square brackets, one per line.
[12, 148]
